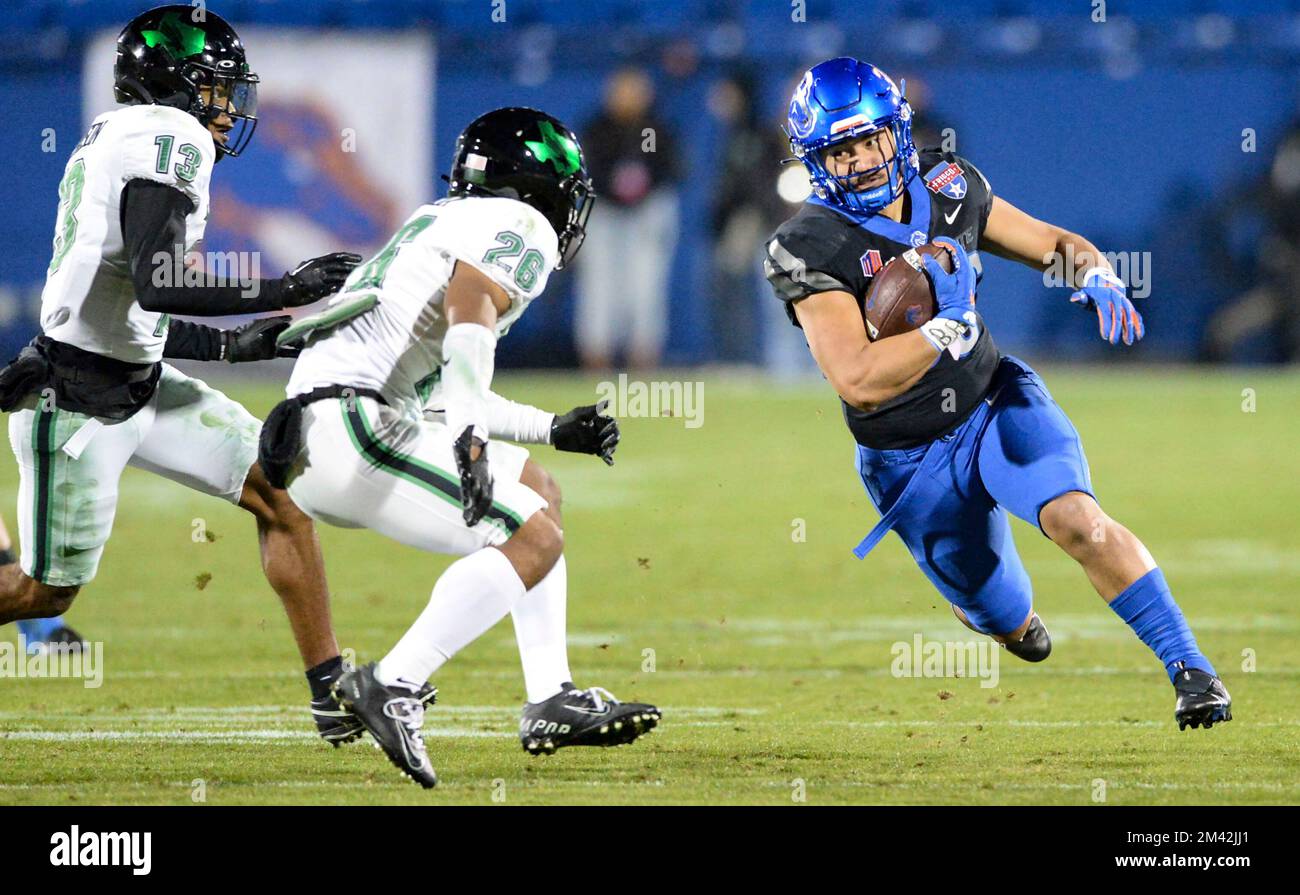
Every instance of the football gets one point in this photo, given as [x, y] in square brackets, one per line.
[901, 297]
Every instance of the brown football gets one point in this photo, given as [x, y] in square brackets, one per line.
[901, 296]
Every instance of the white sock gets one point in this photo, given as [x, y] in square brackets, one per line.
[539, 620]
[474, 594]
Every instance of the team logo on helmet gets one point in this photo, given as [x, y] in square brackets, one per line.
[178, 39]
[802, 118]
[555, 148]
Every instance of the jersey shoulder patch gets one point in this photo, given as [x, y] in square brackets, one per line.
[807, 255]
[165, 145]
[944, 174]
[955, 183]
[507, 240]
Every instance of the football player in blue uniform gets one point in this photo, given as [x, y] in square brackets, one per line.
[951, 434]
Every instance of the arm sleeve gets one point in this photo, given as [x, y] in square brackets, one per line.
[153, 231]
[194, 341]
[513, 421]
[468, 361]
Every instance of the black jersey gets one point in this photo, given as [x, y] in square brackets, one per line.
[821, 249]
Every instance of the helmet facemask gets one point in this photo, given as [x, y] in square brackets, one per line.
[232, 92]
[840, 189]
[581, 199]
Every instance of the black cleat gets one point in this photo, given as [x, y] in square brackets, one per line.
[1202, 699]
[338, 726]
[1035, 646]
[68, 636]
[591, 717]
[63, 636]
[393, 716]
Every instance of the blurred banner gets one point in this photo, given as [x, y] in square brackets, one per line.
[343, 149]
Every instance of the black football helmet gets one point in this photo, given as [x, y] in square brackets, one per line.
[166, 56]
[527, 155]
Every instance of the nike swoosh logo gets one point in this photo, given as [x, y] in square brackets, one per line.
[952, 217]
[583, 711]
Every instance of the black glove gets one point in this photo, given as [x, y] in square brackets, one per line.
[585, 430]
[26, 373]
[313, 280]
[256, 341]
[475, 479]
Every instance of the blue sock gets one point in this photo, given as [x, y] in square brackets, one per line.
[38, 630]
[1149, 609]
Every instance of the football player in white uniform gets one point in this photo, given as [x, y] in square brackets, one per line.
[92, 395]
[391, 425]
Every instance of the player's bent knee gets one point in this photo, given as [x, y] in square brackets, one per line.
[536, 477]
[271, 505]
[51, 601]
[545, 538]
[1075, 522]
[535, 548]
[287, 513]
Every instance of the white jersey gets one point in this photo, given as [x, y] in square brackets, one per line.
[89, 300]
[395, 346]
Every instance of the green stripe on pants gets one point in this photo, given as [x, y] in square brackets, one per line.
[431, 478]
[44, 458]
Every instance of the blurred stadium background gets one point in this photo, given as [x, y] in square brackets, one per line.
[1162, 129]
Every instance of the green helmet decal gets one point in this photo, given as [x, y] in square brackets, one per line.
[555, 148]
[178, 38]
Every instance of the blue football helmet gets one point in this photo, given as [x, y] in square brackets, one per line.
[843, 99]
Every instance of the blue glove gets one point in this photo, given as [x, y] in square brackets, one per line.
[1116, 315]
[955, 329]
[953, 292]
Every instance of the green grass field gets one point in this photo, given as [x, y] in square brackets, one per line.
[771, 655]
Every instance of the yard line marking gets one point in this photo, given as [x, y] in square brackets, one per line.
[993, 788]
[261, 736]
[294, 714]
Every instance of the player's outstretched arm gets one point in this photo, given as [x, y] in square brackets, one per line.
[251, 342]
[153, 231]
[1013, 234]
[583, 430]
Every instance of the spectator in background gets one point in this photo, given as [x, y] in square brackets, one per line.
[623, 270]
[746, 209]
[1274, 301]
